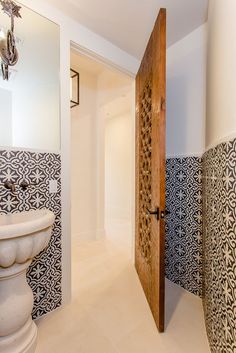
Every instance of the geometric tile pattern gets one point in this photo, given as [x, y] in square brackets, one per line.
[44, 275]
[145, 172]
[184, 222]
[219, 246]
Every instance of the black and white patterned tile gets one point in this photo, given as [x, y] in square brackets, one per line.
[44, 275]
[219, 246]
[184, 223]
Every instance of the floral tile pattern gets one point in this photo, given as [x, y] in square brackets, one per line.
[184, 223]
[44, 275]
[219, 246]
[200, 251]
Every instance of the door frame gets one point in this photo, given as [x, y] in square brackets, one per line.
[110, 65]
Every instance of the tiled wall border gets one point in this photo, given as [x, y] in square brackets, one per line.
[184, 260]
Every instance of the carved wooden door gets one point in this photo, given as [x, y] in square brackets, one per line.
[150, 170]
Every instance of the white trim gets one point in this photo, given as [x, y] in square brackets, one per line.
[185, 155]
[33, 150]
[223, 139]
[133, 178]
[65, 167]
[100, 59]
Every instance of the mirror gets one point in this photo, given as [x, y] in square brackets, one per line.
[30, 99]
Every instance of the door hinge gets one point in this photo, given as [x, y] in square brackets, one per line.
[163, 104]
[155, 213]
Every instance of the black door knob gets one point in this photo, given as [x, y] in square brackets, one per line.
[164, 214]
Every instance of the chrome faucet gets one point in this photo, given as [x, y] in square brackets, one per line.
[10, 186]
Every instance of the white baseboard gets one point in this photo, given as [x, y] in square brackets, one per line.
[93, 234]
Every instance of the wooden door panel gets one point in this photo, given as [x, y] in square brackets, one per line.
[150, 169]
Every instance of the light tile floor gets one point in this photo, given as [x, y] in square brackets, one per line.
[109, 312]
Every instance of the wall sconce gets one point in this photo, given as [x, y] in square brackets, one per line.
[8, 52]
[74, 88]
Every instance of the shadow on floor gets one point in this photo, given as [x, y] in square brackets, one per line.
[173, 295]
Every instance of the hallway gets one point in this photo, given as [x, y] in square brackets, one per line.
[109, 313]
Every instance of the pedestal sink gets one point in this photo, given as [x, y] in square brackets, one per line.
[22, 237]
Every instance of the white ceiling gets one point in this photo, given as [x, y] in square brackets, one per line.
[128, 23]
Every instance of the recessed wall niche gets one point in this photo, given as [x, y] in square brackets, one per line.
[30, 100]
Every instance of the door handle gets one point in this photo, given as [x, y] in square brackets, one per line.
[157, 213]
[154, 213]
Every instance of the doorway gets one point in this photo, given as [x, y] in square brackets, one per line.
[102, 155]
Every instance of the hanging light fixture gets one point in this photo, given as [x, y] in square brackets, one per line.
[74, 88]
[8, 51]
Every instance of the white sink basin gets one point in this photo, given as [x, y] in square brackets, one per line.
[22, 236]
[18, 224]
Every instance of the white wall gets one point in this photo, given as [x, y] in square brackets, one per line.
[5, 117]
[221, 72]
[83, 158]
[186, 95]
[118, 167]
[114, 101]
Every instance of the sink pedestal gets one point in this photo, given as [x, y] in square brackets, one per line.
[18, 332]
[22, 237]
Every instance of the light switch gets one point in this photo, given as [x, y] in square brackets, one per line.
[52, 186]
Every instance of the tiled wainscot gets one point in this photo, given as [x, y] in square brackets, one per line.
[184, 222]
[37, 169]
[219, 229]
